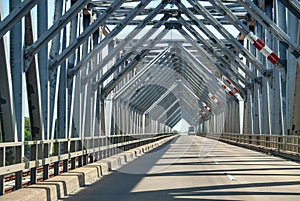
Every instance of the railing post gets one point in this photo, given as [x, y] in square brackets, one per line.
[2, 163]
[65, 165]
[2, 190]
[85, 160]
[80, 161]
[19, 154]
[33, 175]
[65, 150]
[73, 149]
[18, 181]
[91, 158]
[46, 167]
[298, 145]
[33, 169]
[284, 142]
[56, 153]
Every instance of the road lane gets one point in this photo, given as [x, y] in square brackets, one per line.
[196, 168]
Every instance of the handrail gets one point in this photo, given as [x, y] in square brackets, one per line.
[66, 149]
[284, 145]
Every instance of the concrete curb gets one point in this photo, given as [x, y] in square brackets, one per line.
[67, 183]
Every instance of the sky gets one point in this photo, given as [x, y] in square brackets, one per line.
[182, 126]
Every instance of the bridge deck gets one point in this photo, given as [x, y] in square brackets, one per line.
[181, 171]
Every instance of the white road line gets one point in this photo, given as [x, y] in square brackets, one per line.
[230, 177]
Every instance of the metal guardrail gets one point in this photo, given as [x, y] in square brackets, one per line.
[69, 153]
[285, 146]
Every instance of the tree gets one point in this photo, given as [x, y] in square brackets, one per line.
[27, 130]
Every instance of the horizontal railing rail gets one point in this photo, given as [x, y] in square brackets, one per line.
[287, 146]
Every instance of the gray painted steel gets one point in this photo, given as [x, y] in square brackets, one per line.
[92, 69]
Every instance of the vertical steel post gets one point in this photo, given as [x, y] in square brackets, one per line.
[102, 114]
[269, 86]
[72, 81]
[86, 90]
[32, 83]
[112, 116]
[249, 112]
[54, 82]
[7, 118]
[16, 47]
[279, 82]
[42, 20]
[293, 67]
[16, 63]
[62, 121]
[42, 26]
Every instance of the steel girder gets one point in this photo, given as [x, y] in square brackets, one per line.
[239, 47]
[129, 38]
[7, 118]
[145, 70]
[268, 24]
[129, 53]
[80, 54]
[132, 64]
[111, 34]
[15, 15]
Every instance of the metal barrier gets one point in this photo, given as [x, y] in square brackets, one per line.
[285, 146]
[16, 158]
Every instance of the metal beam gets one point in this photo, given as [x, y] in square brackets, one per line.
[58, 25]
[268, 24]
[120, 61]
[15, 15]
[140, 73]
[128, 39]
[16, 64]
[217, 42]
[7, 119]
[33, 92]
[107, 39]
[293, 6]
[218, 26]
[132, 64]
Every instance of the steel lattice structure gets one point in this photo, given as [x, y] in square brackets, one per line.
[86, 69]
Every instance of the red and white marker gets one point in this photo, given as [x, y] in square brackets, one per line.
[206, 107]
[263, 48]
[228, 81]
[214, 99]
[227, 89]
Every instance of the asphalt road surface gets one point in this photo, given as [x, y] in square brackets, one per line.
[195, 168]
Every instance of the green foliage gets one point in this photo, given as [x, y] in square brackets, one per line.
[27, 130]
[175, 131]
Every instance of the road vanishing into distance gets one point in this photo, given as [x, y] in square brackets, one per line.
[196, 168]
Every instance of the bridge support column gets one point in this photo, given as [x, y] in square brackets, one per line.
[16, 64]
[231, 118]
[102, 118]
[257, 109]
[8, 123]
[249, 112]
[206, 126]
[279, 74]
[293, 80]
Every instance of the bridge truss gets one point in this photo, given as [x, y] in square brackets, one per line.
[90, 68]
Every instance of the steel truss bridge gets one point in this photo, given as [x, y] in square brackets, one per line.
[95, 77]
